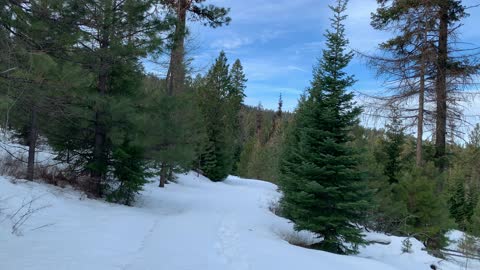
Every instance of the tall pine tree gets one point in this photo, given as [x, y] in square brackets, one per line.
[235, 100]
[220, 97]
[215, 159]
[323, 190]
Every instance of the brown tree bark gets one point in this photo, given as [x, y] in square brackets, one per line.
[441, 88]
[163, 175]
[32, 144]
[421, 98]
[420, 120]
[99, 155]
[176, 69]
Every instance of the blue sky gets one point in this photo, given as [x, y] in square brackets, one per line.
[279, 41]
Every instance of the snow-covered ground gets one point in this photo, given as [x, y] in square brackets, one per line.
[44, 155]
[192, 225]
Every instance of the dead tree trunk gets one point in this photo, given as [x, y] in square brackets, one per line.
[421, 104]
[441, 88]
[421, 99]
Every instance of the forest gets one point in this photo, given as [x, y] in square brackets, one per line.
[73, 81]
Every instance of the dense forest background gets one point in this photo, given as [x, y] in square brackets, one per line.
[72, 79]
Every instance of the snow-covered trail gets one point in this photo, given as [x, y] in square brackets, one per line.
[192, 225]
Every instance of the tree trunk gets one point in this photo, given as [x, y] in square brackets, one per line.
[170, 173]
[32, 144]
[176, 69]
[441, 89]
[163, 175]
[421, 103]
[99, 155]
[99, 148]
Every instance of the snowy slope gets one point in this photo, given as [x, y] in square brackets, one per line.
[44, 156]
[195, 224]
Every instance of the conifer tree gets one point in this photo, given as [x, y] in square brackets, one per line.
[221, 96]
[457, 203]
[235, 101]
[129, 167]
[196, 10]
[475, 223]
[40, 34]
[426, 61]
[112, 37]
[171, 126]
[393, 147]
[238, 81]
[323, 190]
[426, 215]
[215, 159]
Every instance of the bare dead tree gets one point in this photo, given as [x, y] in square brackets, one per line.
[421, 65]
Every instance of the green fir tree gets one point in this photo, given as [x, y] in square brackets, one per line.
[324, 192]
[393, 146]
[220, 97]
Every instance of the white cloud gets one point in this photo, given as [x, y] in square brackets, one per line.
[231, 43]
[278, 42]
[295, 68]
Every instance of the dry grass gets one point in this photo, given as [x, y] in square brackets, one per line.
[16, 167]
[12, 166]
[275, 207]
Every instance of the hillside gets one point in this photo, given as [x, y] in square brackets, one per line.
[194, 224]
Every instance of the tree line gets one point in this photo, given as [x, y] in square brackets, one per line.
[339, 178]
[71, 73]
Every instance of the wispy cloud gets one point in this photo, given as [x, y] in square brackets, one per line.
[231, 43]
[295, 68]
[279, 41]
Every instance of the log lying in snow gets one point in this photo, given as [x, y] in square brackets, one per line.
[384, 242]
[456, 253]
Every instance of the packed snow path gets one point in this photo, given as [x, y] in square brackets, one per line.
[192, 225]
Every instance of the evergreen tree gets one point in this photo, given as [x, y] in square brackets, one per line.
[235, 101]
[220, 96]
[475, 224]
[172, 128]
[263, 133]
[323, 189]
[40, 35]
[130, 169]
[457, 204]
[464, 184]
[238, 85]
[462, 204]
[216, 159]
[112, 37]
[196, 10]
[393, 147]
[407, 60]
[424, 62]
[426, 217]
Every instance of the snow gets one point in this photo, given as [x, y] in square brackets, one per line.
[16, 151]
[392, 255]
[456, 238]
[194, 224]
